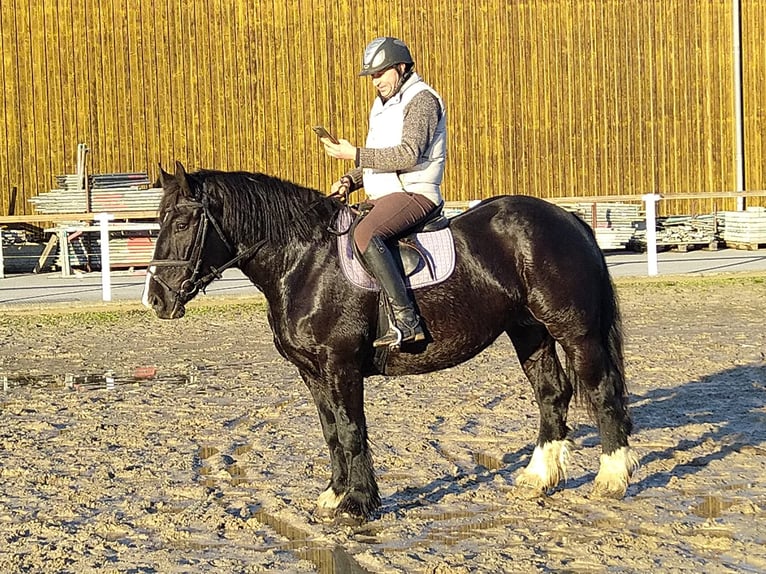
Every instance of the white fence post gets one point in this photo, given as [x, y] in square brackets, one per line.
[651, 200]
[106, 272]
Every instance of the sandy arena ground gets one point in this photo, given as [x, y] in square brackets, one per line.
[129, 444]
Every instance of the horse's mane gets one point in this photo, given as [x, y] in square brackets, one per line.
[255, 206]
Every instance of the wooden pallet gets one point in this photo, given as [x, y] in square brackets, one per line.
[681, 246]
[745, 245]
[690, 246]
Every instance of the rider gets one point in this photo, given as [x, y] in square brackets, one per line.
[400, 168]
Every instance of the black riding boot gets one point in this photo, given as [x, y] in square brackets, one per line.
[405, 326]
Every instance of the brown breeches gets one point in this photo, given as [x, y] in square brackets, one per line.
[391, 215]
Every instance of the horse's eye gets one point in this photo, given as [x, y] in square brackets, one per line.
[181, 226]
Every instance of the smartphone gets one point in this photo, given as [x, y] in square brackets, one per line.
[323, 133]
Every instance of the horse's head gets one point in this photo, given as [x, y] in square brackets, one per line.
[189, 249]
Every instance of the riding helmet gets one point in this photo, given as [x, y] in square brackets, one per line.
[384, 52]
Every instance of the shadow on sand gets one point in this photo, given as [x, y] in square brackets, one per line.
[728, 404]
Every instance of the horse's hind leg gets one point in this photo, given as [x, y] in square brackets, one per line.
[537, 353]
[603, 384]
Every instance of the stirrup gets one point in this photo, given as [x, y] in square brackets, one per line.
[391, 338]
[394, 337]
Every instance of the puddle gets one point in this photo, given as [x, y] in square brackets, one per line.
[453, 526]
[207, 479]
[243, 449]
[238, 475]
[206, 452]
[711, 507]
[328, 560]
[487, 461]
[92, 382]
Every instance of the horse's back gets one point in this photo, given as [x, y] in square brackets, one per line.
[542, 258]
[530, 234]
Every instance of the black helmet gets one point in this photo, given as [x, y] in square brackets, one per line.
[384, 52]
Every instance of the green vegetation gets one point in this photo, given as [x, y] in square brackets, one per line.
[104, 314]
[690, 281]
[109, 314]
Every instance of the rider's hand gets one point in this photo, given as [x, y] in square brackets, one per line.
[342, 187]
[344, 149]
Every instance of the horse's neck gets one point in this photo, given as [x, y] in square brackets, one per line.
[286, 254]
[277, 268]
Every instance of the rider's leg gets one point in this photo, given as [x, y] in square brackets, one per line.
[381, 264]
[390, 216]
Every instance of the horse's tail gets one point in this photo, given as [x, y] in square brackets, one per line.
[611, 337]
[611, 327]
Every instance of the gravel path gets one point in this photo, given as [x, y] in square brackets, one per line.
[128, 444]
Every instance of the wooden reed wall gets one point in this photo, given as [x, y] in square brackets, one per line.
[547, 98]
[754, 93]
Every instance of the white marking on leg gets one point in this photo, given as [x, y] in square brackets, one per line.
[614, 473]
[328, 500]
[547, 467]
[145, 294]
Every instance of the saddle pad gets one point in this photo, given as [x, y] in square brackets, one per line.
[439, 246]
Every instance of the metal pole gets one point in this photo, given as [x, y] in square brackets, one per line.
[651, 200]
[739, 143]
[66, 268]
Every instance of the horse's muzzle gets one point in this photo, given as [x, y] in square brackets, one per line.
[166, 303]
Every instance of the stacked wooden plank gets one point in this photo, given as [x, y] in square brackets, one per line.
[15, 236]
[613, 223]
[105, 192]
[21, 250]
[745, 229]
[110, 192]
[126, 249]
[681, 233]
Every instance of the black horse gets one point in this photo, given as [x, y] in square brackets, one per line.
[523, 267]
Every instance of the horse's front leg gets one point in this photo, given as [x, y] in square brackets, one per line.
[329, 500]
[353, 490]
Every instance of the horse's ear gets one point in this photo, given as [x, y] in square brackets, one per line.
[183, 183]
[165, 177]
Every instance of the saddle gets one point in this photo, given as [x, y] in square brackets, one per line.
[407, 250]
[425, 254]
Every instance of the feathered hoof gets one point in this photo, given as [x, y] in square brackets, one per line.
[348, 519]
[529, 486]
[546, 469]
[349, 508]
[323, 514]
[614, 473]
[327, 505]
[338, 517]
[615, 490]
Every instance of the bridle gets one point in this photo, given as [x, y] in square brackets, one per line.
[199, 281]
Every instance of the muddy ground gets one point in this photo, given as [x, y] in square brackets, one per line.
[128, 444]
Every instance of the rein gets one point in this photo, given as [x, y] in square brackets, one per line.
[190, 287]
